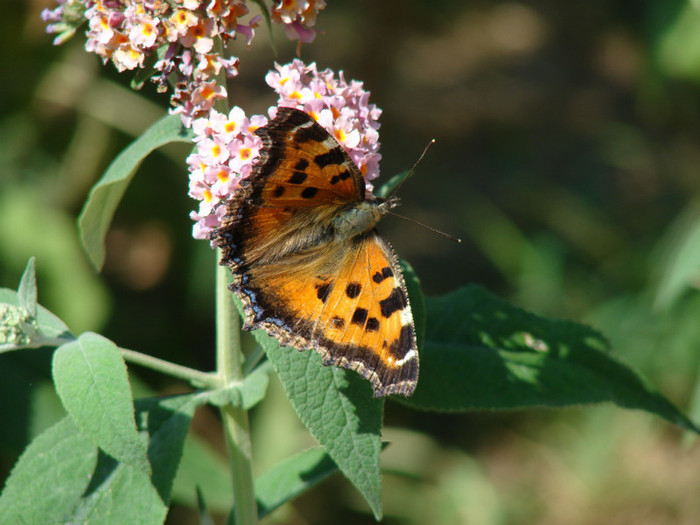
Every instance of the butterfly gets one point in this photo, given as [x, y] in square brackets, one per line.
[308, 265]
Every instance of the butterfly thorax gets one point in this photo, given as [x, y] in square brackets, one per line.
[361, 217]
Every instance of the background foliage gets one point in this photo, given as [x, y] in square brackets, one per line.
[566, 158]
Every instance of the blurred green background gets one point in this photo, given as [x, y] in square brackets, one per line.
[567, 158]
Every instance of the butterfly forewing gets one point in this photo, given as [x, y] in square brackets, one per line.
[302, 165]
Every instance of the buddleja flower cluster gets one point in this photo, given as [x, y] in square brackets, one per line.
[227, 147]
[174, 40]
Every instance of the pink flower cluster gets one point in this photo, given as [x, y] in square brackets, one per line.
[174, 40]
[342, 108]
[297, 17]
[226, 151]
[227, 148]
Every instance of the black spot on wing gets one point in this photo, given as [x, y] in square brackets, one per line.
[309, 192]
[297, 177]
[372, 324]
[323, 291]
[394, 303]
[333, 156]
[301, 165]
[386, 272]
[359, 316]
[279, 191]
[344, 175]
[338, 322]
[353, 290]
[311, 132]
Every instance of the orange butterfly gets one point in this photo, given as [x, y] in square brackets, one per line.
[308, 265]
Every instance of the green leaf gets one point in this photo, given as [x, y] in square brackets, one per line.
[338, 408]
[104, 197]
[78, 486]
[120, 493]
[201, 466]
[117, 494]
[166, 422]
[417, 300]
[26, 293]
[680, 265]
[202, 513]
[483, 353]
[676, 48]
[254, 387]
[49, 477]
[292, 477]
[390, 186]
[92, 382]
[147, 70]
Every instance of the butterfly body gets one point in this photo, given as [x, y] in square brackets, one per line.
[308, 264]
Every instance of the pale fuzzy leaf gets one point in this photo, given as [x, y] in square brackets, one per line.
[105, 195]
[91, 380]
[49, 477]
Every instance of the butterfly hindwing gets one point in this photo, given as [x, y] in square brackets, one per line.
[367, 319]
[358, 318]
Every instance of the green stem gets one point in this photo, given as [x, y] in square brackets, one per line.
[229, 368]
[229, 363]
[194, 377]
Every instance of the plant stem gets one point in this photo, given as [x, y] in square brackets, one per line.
[229, 368]
[229, 363]
[195, 377]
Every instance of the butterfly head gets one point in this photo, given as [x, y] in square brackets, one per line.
[387, 204]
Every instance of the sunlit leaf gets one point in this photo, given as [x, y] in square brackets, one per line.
[338, 408]
[92, 382]
[26, 293]
[679, 268]
[104, 197]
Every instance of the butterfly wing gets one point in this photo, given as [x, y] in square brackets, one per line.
[277, 237]
[302, 177]
[356, 317]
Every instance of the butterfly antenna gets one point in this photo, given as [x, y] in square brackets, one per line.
[450, 237]
[393, 193]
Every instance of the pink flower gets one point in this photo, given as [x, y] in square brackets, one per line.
[145, 32]
[226, 151]
[182, 32]
[342, 108]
